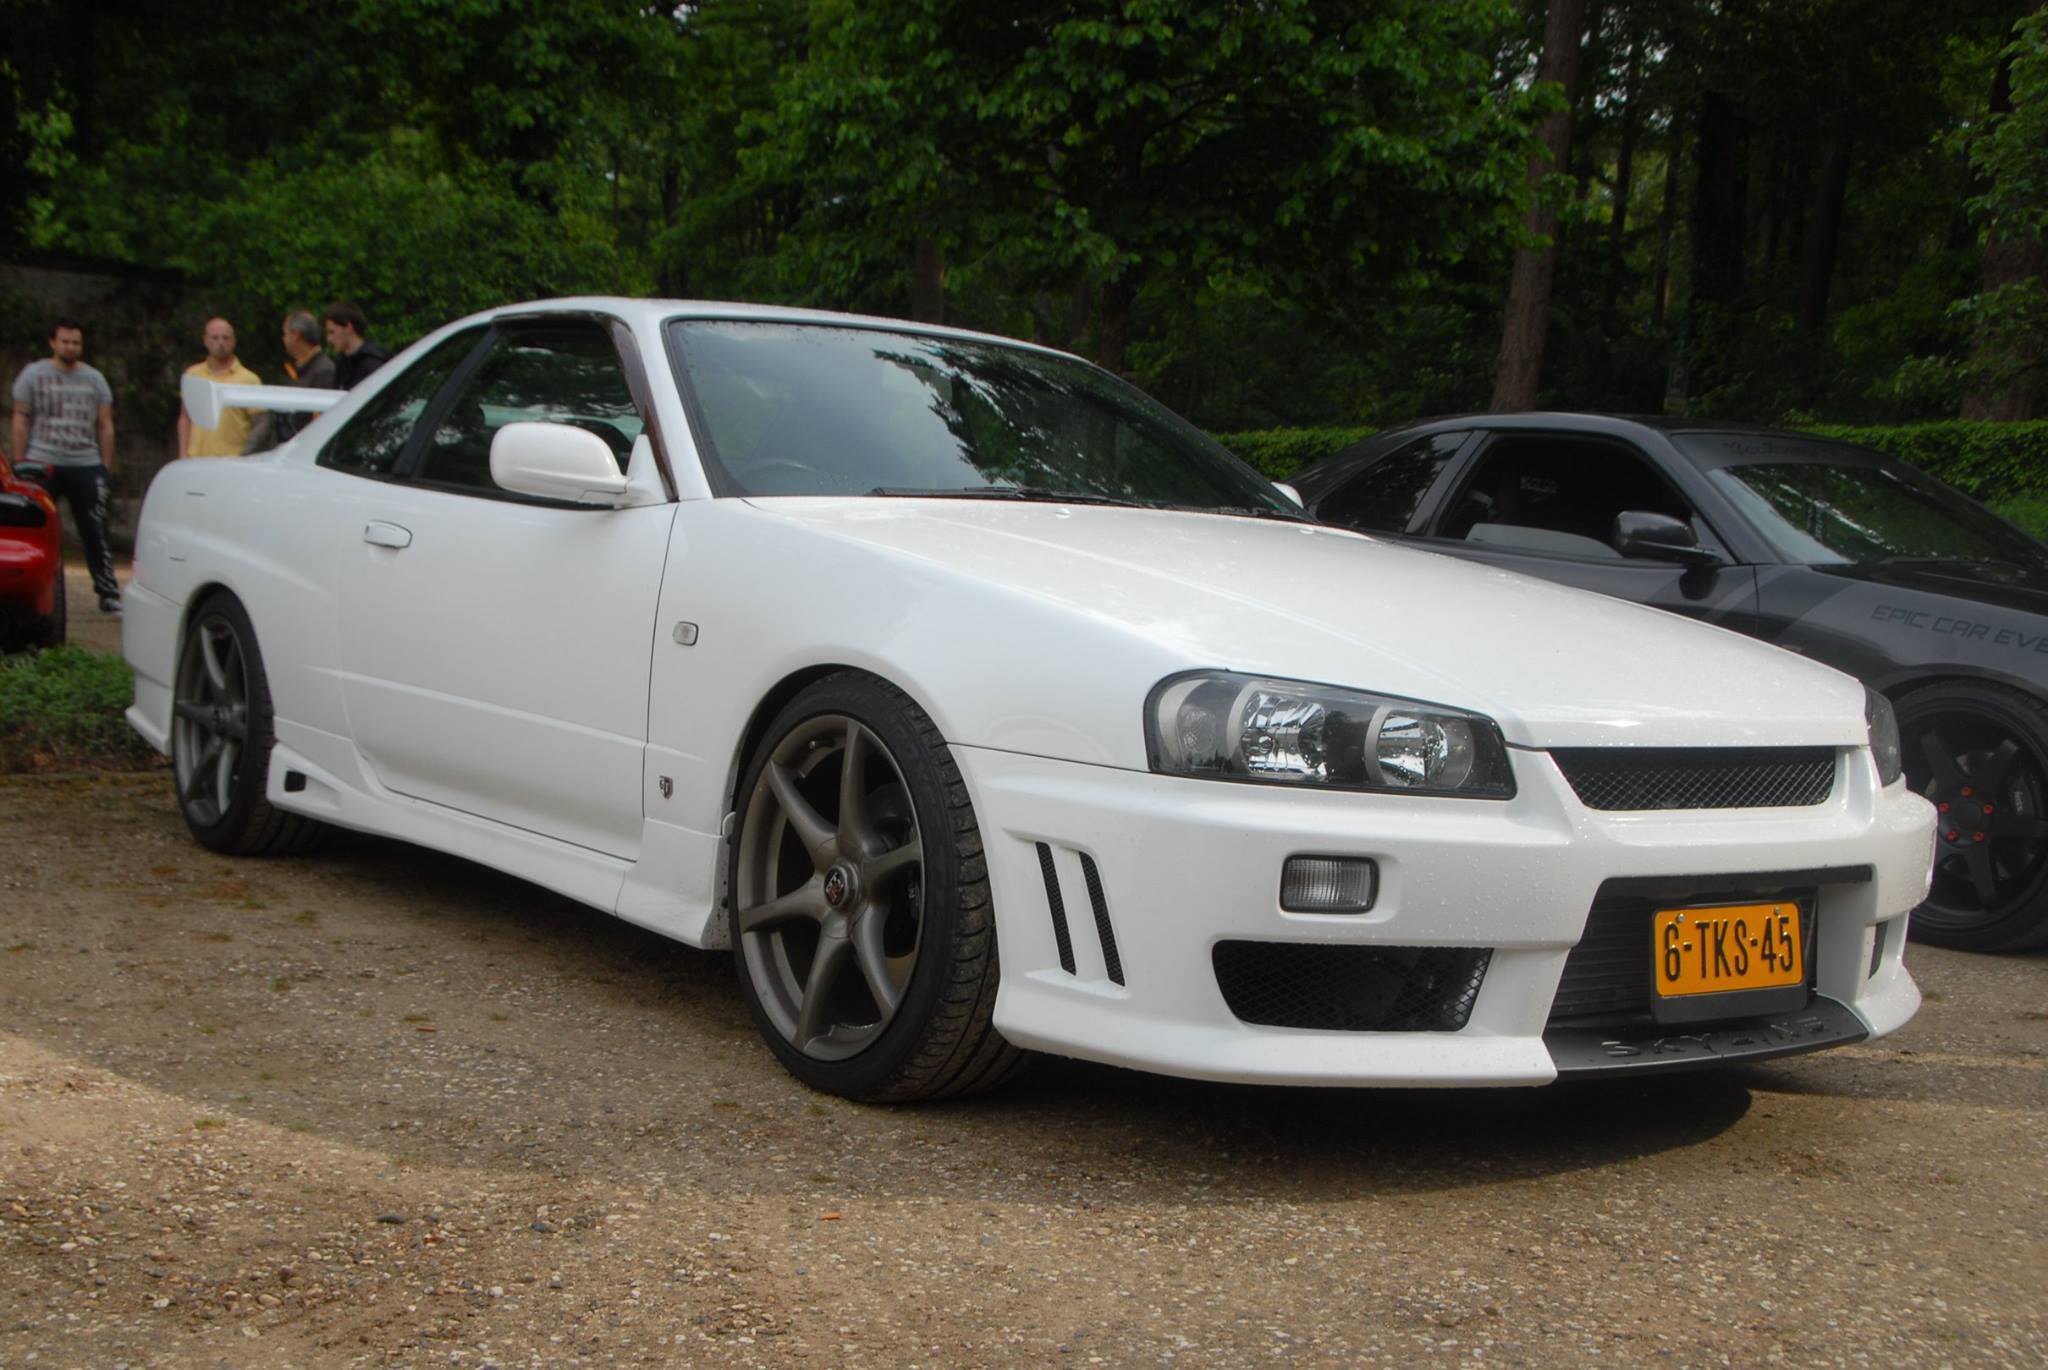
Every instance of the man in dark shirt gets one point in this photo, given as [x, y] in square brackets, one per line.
[355, 356]
[308, 367]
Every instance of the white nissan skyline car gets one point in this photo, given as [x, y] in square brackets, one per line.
[982, 706]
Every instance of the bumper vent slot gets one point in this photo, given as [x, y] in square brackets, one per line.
[1623, 778]
[1058, 906]
[1112, 962]
[1344, 988]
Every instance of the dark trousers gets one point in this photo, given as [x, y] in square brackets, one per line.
[88, 488]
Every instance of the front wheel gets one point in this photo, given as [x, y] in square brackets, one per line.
[1979, 753]
[862, 929]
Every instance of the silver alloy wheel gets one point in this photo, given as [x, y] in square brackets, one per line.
[210, 719]
[828, 887]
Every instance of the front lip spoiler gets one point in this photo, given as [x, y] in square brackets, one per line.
[1634, 1049]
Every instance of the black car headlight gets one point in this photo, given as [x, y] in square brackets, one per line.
[1225, 726]
[1884, 737]
[19, 511]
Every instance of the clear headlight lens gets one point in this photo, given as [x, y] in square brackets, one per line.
[1884, 737]
[1235, 727]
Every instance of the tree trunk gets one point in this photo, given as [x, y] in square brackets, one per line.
[1667, 224]
[928, 283]
[1113, 322]
[1624, 186]
[1829, 195]
[1720, 200]
[1520, 372]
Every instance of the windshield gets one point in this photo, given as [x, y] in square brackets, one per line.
[808, 409]
[1824, 504]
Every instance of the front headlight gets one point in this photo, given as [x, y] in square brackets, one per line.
[1884, 737]
[1235, 727]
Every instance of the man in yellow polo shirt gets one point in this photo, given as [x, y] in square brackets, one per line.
[222, 368]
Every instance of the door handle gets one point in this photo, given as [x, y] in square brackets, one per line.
[383, 534]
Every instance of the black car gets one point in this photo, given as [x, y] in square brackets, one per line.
[1826, 549]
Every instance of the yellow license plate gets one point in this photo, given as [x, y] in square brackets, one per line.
[1727, 947]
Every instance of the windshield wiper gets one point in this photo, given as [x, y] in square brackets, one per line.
[1260, 511]
[1010, 492]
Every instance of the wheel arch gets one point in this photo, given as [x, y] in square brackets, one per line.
[1894, 684]
[771, 703]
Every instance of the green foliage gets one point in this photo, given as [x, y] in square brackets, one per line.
[1278, 453]
[65, 705]
[1992, 462]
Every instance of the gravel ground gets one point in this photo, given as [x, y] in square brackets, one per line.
[383, 1106]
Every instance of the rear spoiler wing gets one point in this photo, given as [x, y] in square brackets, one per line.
[204, 399]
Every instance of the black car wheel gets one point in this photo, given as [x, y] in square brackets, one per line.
[1979, 753]
[221, 737]
[865, 943]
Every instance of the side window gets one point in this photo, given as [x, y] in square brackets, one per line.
[1557, 495]
[561, 371]
[371, 442]
[1383, 497]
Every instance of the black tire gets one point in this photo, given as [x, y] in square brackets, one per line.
[221, 736]
[909, 918]
[1979, 753]
[49, 631]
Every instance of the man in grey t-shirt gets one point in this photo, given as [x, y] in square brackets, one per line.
[64, 416]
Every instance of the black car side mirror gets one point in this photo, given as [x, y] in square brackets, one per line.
[1659, 537]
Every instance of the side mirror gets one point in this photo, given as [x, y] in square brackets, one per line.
[1659, 537]
[556, 461]
[1284, 488]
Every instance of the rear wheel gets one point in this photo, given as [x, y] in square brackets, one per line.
[1979, 753]
[862, 930]
[221, 738]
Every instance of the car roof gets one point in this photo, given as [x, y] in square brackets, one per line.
[650, 314]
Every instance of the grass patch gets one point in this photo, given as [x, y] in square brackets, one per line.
[2028, 511]
[63, 707]
[208, 1124]
[307, 915]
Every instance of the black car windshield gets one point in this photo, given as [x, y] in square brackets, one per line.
[809, 409]
[1822, 503]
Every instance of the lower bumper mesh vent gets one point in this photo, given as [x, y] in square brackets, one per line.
[1351, 988]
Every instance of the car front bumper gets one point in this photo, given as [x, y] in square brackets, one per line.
[1151, 873]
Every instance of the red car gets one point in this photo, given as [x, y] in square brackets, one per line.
[31, 565]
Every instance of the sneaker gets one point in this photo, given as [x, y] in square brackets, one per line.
[110, 604]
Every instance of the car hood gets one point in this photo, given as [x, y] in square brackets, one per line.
[1553, 666]
[2020, 588]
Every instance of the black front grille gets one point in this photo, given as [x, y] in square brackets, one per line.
[1698, 778]
[1351, 988]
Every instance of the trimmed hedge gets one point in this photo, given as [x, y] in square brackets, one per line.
[1994, 462]
[1277, 453]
